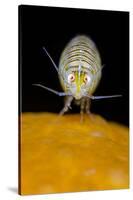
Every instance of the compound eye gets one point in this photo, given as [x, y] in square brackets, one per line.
[86, 79]
[71, 78]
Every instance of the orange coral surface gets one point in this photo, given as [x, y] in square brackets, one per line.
[61, 154]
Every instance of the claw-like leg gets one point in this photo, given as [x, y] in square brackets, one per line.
[87, 108]
[67, 105]
[82, 108]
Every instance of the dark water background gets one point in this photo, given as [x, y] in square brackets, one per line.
[53, 28]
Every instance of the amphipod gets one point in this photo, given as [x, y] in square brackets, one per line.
[79, 72]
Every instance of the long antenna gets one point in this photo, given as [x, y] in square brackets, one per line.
[53, 91]
[55, 66]
[51, 59]
[104, 97]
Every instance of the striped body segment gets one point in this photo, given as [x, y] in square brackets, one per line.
[79, 73]
[80, 62]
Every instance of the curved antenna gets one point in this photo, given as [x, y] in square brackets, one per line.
[55, 66]
[103, 97]
[53, 91]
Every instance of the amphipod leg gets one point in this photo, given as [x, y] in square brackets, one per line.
[82, 108]
[87, 108]
[67, 105]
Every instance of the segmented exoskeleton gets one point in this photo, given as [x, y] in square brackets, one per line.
[79, 73]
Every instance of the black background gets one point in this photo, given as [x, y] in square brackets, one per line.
[53, 28]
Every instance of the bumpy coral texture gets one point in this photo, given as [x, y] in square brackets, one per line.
[60, 154]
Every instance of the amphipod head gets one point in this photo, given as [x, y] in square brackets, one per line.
[78, 82]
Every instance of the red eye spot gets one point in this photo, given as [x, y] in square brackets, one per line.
[71, 78]
[86, 79]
